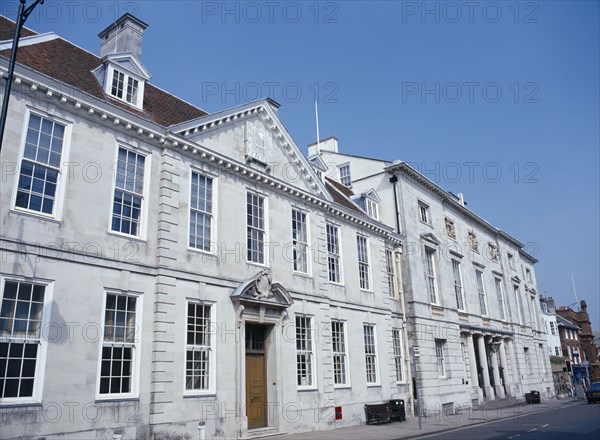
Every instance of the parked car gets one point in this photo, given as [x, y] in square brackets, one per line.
[592, 394]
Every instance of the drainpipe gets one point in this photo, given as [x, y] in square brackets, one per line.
[201, 430]
[394, 182]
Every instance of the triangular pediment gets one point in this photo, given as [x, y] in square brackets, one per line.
[318, 163]
[129, 63]
[372, 195]
[260, 290]
[516, 279]
[429, 237]
[254, 135]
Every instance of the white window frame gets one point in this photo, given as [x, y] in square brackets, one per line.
[481, 293]
[40, 366]
[213, 223]
[265, 230]
[557, 351]
[212, 350]
[511, 260]
[143, 224]
[139, 100]
[344, 355]
[552, 328]
[520, 312]
[459, 291]
[528, 275]
[440, 347]
[374, 355]
[57, 208]
[527, 360]
[372, 208]
[343, 176]
[423, 211]
[431, 275]
[367, 263]
[296, 241]
[398, 351]
[390, 271]
[338, 256]
[311, 353]
[137, 347]
[500, 296]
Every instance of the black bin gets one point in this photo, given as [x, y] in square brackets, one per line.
[397, 409]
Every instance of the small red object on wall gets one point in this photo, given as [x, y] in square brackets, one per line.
[338, 413]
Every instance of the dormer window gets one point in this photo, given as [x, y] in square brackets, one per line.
[372, 209]
[369, 201]
[125, 87]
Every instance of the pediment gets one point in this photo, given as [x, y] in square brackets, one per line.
[318, 163]
[129, 63]
[372, 195]
[429, 237]
[516, 279]
[254, 135]
[260, 290]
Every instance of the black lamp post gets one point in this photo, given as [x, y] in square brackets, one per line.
[21, 18]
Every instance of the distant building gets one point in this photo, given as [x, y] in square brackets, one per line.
[588, 351]
[550, 326]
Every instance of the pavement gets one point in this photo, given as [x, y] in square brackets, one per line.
[435, 424]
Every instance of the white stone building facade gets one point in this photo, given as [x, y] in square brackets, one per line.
[470, 289]
[162, 267]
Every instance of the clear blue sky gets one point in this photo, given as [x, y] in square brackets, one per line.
[371, 63]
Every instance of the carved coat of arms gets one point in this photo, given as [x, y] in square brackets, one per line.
[262, 285]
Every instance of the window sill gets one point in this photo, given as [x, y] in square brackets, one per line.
[373, 385]
[202, 252]
[113, 398]
[127, 236]
[306, 389]
[367, 291]
[427, 224]
[16, 404]
[190, 395]
[342, 387]
[36, 215]
[302, 274]
[333, 283]
[254, 263]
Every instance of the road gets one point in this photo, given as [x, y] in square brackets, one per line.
[578, 421]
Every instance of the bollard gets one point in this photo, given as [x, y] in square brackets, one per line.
[201, 430]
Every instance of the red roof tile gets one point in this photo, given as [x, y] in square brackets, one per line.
[7, 29]
[72, 65]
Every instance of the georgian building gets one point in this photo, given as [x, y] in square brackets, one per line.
[548, 309]
[471, 296]
[588, 350]
[166, 270]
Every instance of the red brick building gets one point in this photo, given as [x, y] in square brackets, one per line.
[588, 349]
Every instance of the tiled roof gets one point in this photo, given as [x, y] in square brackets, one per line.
[342, 188]
[72, 65]
[566, 323]
[339, 197]
[7, 29]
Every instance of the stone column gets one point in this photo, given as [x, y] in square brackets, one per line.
[473, 366]
[516, 378]
[489, 392]
[503, 363]
[496, 371]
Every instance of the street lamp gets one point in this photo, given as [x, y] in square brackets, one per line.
[21, 18]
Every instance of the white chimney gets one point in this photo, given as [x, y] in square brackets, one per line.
[328, 144]
[122, 36]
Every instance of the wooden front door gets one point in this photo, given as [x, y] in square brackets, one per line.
[256, 376]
